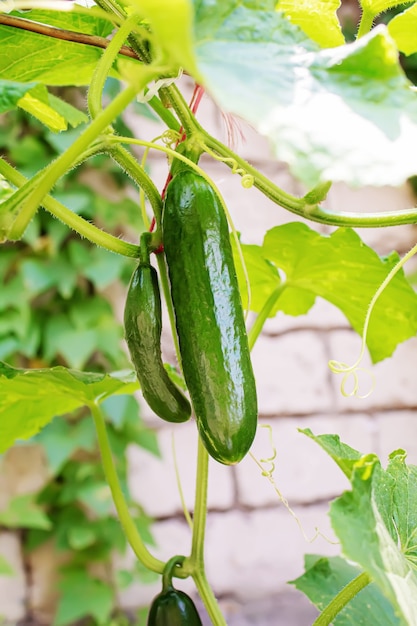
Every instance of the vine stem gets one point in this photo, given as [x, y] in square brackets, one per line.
[103, 67]
[128, 525]
[66, 160]
[342, 599]
[74, 221]
[263, 315]
[196, 560]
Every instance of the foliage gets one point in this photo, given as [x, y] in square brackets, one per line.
[334, 111]
[54, 311]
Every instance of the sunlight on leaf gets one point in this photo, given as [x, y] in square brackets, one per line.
[317, 18]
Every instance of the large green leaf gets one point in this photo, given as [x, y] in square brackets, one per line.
[30, 399]
[23, 512]
[81, 596]
[365, 520]
[345, 113]
[376, 524]
[29, 56]
[339, 268]
[325, 577]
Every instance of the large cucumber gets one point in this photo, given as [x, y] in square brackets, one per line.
[209, 317]
[143, 328]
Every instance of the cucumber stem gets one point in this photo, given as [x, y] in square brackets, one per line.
[344, 596]
[128, 525]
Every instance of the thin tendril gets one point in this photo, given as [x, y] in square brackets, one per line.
[268, 473]
[247, 179]
[351, 371]
[179, 485]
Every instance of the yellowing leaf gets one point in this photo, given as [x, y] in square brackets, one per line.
[43, 112]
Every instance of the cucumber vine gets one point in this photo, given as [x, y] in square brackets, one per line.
[151, 75]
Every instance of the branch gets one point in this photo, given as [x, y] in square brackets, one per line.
[65, 35]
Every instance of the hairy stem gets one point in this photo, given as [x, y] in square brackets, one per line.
[129, 164]
[67, 159]
[128, 525]
[71, 219]
[342, 599]
[365, 25]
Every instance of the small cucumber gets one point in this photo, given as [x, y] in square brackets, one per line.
[209, 317]
[172, 607]
[143, 328]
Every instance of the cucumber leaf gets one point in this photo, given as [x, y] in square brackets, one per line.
[346, 113]
[30, 399]
[376, 523]
[325, 577]
[329, 266]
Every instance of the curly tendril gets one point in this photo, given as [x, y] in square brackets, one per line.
[247, 179]
[350, 372]
[268, 473]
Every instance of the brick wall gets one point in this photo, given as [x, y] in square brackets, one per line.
[254, 544]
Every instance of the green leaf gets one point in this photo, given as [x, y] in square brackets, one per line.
[50, 392]
[23, 512]
[35, 99]
[329, 266]
[325, 577]
[364, 521]
[403, 29]
[316, 18]
[76, 18]
[82, 596]
[263, 276]
[171, 24]
[342, 454]
[331, 114]
[29, 57]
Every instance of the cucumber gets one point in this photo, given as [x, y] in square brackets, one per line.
[143, 328]
[172, 607]
[209, 317]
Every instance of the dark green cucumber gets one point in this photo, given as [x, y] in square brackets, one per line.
[209, 317]
[172, 607]
[143, 328]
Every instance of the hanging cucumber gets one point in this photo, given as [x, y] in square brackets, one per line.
[172, 607]
[209, 316]
[143, 328]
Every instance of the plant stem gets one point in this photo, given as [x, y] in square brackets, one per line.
[103, 67]
[66, 160]
[196, 560]
[71, 219]
[129, 526]
[263, 315]
[129, 164]
[341, 600]
[298, 206]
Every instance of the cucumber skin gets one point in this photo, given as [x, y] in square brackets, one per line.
[173, 608]
[143, 328]
[209, 317]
